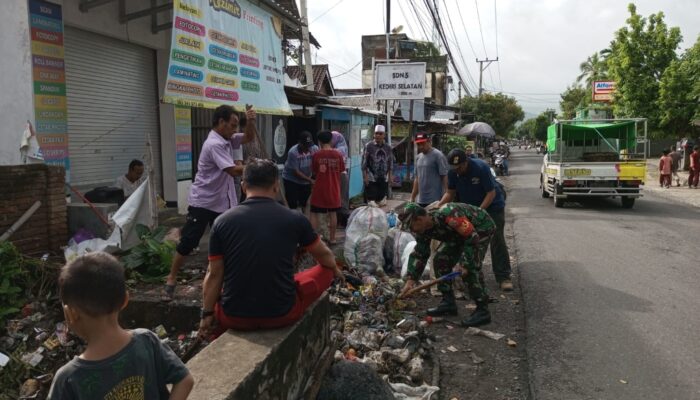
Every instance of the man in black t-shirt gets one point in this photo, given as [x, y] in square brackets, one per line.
[250, 283]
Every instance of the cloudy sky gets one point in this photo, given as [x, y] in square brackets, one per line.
[540, 43]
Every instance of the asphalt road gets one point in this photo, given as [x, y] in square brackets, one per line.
[611, 296]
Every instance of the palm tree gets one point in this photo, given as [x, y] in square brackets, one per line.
[593, 69]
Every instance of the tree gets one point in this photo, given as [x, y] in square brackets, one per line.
[573, 98]
[498, 110]
[535, 128]
[679, 93]
[639, 54]
[426, 49]
[593, 69]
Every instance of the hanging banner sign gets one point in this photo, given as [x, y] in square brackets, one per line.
[226, 52]
[183, 142]
[48, 70]
[399, 81]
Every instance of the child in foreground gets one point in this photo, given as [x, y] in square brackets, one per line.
[117, 363]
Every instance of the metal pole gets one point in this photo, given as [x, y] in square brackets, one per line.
[386, 107]
[410, 139]
[307, 49]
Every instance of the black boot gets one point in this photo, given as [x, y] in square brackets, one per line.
[446, 307]
[481, 316]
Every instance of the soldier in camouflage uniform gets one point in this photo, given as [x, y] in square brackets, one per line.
[465, 232]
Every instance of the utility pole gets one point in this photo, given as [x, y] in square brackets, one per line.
[307, 48]
[481, 72]
[459, 99]
[386, 102]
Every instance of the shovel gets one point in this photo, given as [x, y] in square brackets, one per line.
[434, 282]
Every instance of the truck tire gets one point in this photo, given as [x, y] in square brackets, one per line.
[628, 202]
[558, 201]
[545, 193]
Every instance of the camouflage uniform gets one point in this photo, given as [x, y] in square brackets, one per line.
[465, 232]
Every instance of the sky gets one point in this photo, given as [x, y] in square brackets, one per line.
[539, 43]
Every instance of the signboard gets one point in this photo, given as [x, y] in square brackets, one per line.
[183, 143]
[226, 52]
[399, 81]
[603, 91]
[48, 69]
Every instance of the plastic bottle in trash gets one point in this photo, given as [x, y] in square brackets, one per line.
[391, 219]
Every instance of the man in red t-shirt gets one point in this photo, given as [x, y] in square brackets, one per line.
[694, 173]
[327, 165]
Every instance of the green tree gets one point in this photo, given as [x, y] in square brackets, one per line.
[593, 69]
[679, 93]
[498, 110]
[426, 49]
[535, 128]
[639, 54]
[573, 98]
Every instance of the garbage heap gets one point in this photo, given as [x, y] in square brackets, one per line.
[370, 325]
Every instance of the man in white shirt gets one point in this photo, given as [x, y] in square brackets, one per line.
[132, 180]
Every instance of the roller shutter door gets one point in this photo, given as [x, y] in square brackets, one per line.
[112, 105]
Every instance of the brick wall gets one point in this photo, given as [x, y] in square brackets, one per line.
[20, 187]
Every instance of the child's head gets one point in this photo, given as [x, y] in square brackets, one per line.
[325, 137]
[666, 152]
[92, 287]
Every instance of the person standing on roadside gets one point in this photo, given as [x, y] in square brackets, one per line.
[675, 164]
[665, 169]
[694, 172]
[327, 165]
[213, 190]
[377, 164]
[470, 181]
[297, 174]
[430, 183]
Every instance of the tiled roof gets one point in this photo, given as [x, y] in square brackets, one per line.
[319, 71]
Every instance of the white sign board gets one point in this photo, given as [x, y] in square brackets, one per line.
[399, 81]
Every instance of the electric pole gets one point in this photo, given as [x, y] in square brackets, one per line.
[481, 72]
[307, 48]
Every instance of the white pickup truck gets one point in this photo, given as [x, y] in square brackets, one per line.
[594, 159]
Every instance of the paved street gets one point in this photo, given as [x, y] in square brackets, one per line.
[611, 295]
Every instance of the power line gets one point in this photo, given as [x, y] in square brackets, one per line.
[353, 67]
[465, 29]
[459, 49]
[478, 17]
[498, 65]
[326, 12]
[408, 23]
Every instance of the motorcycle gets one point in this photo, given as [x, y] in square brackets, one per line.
[499, 164]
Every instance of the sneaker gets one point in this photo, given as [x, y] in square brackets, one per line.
[506, 285]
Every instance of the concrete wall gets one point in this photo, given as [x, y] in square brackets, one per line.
[16, 101]
[46, 230]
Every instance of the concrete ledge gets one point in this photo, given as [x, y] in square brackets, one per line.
[271, 364]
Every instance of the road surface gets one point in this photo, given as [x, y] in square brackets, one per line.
[612, 296]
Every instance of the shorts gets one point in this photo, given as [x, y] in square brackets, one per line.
[297, 195]
[197, 221]
[321, 210]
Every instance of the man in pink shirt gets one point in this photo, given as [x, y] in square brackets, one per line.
[213, 190]
[665, 170]
[694, 172]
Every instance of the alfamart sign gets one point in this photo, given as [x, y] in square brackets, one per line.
[226, 52]
[603, 90]
[399, 81]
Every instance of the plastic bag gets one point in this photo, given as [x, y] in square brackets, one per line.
[401, 240]
[364, 238]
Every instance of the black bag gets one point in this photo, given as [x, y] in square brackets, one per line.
[105, 194]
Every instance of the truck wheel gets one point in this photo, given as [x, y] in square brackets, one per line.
[628, 202]
[558, 201]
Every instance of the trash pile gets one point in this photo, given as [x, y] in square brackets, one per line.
[34, 347]
[372, 326]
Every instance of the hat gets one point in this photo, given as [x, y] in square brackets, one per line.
[305, 138]
[456, 157]
[379, 129]
[408, 212]
[422, 138]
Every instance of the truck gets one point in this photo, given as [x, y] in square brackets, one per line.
[595, 158]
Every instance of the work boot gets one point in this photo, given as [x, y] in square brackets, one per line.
[446, 307]
[480, 316]
[506, 285]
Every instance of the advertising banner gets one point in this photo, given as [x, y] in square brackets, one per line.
[603, 91]
[183, 142]
[48, 70]
[226, 52]
[399, 81]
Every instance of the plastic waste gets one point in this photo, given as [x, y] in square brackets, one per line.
[406, 392]
[364, 238]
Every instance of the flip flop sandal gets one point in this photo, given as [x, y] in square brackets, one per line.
[168, 293]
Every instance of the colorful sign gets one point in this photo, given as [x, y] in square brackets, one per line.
[48, 69]
[603, 91]
[183, 142]
[226, 52]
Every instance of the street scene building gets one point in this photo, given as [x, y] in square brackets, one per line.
[295, 199]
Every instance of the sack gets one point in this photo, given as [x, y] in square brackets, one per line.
[367, 226]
